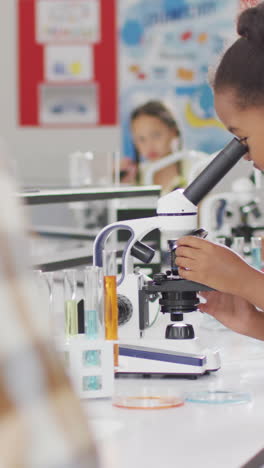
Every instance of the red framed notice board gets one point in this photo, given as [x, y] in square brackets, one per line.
[67, 62]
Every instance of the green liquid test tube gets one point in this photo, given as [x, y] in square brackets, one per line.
[70, 303]
[71, 318]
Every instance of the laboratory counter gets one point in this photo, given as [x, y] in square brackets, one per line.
[36, 196]
[195, 435]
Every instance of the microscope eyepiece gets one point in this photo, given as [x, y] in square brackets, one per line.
[215, 171]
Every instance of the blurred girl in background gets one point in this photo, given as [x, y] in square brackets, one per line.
[155, 135]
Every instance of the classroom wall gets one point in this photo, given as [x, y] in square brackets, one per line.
[40, 154]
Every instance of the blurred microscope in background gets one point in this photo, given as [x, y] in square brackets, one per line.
[235, 213]
[236, 218]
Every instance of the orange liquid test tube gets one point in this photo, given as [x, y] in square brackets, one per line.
[110, 300]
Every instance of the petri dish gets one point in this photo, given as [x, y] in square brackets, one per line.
[218, 397]
[147, 402]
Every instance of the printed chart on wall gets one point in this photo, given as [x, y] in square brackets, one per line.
[165, 50]
[71, 43]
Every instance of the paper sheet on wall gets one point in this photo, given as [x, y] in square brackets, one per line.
[68, 21]
[60, 105]
[72, 63]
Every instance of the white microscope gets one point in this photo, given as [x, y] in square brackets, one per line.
[166, 348]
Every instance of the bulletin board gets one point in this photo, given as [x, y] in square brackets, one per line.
[67, 63]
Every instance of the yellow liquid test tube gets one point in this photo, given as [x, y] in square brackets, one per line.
[110, 300]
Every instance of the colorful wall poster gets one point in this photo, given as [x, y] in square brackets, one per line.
[69, 63]
[68, 21]
[166, 48]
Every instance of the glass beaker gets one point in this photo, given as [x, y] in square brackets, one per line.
[70, 303]
[256, 254]
[80, 168]
[110, 299]
[116, 167]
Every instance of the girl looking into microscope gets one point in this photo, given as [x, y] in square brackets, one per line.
[155, 135]
[238, 86]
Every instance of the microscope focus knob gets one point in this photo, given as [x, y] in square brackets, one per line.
[158, 278]
[142, 252]
[125, 309]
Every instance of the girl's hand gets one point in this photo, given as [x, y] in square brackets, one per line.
[233, 311]
[211, 264]
[129, 170]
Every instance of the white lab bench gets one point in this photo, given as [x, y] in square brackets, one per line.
[194, 435]
[36, 196]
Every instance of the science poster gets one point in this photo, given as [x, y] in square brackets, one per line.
[166, 48]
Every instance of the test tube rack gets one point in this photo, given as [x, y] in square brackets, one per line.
[90, 365]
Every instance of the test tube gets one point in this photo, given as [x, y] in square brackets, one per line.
[92, 302]
[45, 289]
[256, 257]
[70, 303]
[238, 245]
[110, 299]
[48, 277]
[92, 323]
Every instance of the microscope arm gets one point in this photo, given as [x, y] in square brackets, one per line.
[137, 229]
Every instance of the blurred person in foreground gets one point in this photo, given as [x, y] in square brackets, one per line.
[42, 424]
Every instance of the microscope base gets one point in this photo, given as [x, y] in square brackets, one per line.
[154, 357]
